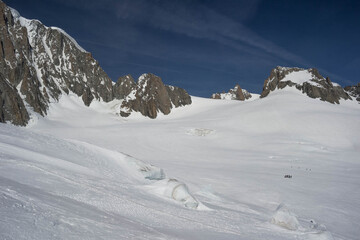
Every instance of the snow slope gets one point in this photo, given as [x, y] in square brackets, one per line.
[86, 173]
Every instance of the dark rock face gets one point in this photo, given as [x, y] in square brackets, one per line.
[354, 91]
[42, 63]
[123, 86]
[178, 96]
[151, 96]
[309, 81]
[12, 108]
[234, 94]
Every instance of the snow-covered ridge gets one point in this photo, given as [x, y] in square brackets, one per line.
[29, 25]
[71, 38]
[300, 77]
[309, 81]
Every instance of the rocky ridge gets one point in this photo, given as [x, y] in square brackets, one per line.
[309, 81]
[39, 64]
[151, 96]
[237, 93]
[123, 86]
[354, 91]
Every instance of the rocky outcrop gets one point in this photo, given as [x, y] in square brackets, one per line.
[309, 81]
[12, 108]
[151, 96]
[234, 94]
[178, 96]
[40, 63]
[123, 86]
[354, 91]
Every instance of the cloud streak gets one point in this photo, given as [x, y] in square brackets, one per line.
[199, 21]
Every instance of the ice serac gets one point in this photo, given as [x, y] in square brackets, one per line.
[354, 91]
[309, 81]
[151, 96]
[40, 63]
[236, 93]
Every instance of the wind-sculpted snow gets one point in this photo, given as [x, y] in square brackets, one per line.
[284, 218]
[176, 190]
[159, 183]
[82, 157]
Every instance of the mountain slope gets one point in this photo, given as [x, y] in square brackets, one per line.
[44, 62]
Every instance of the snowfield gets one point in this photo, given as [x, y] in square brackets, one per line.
[211, 170]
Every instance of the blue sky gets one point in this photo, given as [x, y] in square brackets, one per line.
[210, 45]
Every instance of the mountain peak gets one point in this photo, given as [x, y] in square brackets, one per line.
[151, 96]
[309, 81]
[236, 93]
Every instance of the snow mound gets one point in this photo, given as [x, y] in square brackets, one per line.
[284, 218]
[200, 132]
[140, 170]
[176, 190]
[147, 170]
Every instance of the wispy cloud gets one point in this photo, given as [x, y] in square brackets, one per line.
[198, 21]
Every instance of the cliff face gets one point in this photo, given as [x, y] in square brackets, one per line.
[309, 81]
[123, 86]
[40, 63]
[12, 108]
[237, 93]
